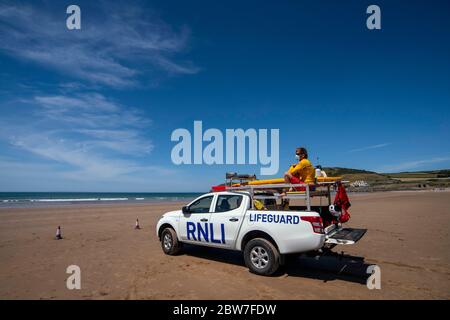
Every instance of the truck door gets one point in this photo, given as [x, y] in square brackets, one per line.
[195, 225]
[227, 218]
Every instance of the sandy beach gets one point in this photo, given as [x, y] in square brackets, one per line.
[408, 238]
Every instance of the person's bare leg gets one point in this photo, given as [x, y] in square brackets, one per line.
[287, 179]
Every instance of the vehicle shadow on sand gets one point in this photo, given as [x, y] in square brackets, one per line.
[327, 267]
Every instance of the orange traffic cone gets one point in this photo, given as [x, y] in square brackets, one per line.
[137, 227]
[58, 233]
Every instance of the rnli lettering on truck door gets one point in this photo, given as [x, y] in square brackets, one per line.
[205, 232]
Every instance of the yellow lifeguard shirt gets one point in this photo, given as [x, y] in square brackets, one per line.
[303, 170]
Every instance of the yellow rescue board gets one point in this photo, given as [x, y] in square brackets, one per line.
[267, 181]
[281, 180]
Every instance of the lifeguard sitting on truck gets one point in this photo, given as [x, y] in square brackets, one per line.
[302, 172]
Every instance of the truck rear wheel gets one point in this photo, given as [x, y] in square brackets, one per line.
[169, 242]
[261, 257]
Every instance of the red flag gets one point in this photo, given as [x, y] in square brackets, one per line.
[342, 201]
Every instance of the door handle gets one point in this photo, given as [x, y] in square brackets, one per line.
[234, 219]
[203, 220]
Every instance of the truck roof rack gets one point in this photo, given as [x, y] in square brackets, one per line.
[257, 191]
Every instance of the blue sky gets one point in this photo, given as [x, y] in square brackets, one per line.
[93, 109]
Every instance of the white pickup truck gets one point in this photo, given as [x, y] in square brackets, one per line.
[228, 220]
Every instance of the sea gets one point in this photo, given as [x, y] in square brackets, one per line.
[32, 199]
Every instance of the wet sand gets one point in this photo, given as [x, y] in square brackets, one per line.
[408, 238]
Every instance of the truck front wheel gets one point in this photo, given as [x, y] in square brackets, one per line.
[261, 257]
[169, 242]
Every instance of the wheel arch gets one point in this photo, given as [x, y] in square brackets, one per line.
[164, 226]
[258, 234]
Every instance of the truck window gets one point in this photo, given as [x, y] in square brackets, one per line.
[201, 205]
[228, 202]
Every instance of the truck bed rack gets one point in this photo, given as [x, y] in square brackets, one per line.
[256, 191]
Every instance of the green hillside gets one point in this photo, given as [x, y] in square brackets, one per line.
[358, 174]
[420, 174]
[394, 181]
[336, 171]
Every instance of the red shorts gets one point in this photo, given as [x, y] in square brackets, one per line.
[295, 180]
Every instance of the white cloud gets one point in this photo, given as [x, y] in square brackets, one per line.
[82, 102]
[95, 137]
[376, 146]
[77, 137]
[91, 110]
[67, 152]
[417, 164]
[19, 175]
[106, 51]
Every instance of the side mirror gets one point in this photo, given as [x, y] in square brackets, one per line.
[185, 210]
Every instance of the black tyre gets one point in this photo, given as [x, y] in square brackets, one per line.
[169, 242]
[261, 257]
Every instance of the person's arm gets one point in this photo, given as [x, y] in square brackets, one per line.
[299, 167]
[290, 172]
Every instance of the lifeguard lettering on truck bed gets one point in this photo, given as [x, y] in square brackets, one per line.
[274, 218]
[228, 220]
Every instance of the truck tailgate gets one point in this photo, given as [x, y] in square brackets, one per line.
[345, 235]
